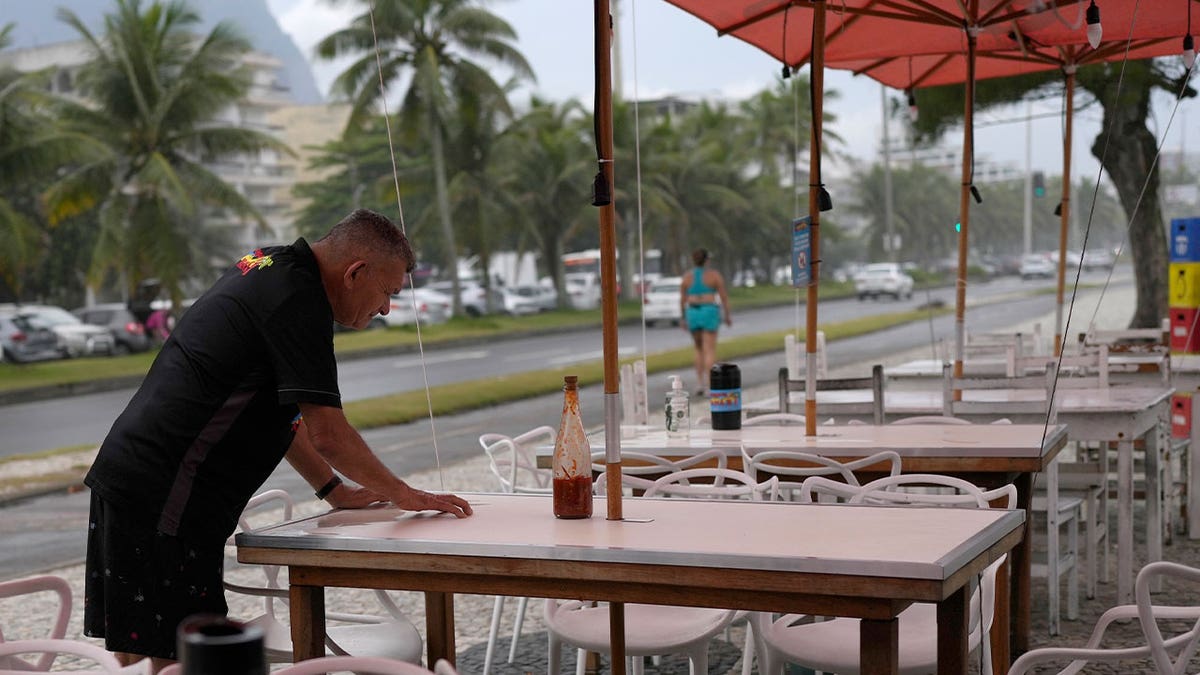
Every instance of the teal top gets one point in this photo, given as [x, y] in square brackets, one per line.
[698, 286]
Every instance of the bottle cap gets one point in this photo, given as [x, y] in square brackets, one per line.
[570, 381]
[676, 383]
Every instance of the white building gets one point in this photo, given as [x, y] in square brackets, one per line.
[258, 177]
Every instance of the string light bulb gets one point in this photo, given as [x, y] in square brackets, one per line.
[1094, 30]
[913, 112]
[1189, 52]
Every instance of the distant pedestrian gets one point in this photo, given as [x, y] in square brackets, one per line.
[702, 314]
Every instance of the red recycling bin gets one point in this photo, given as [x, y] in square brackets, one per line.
[1185, 334]
[1181, 416]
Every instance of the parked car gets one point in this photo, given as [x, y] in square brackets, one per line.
[545, 298]
[23, 340]
[1098, 259]
[431, 306]
[129, 333]
[583, 288]
[879, 279]
[75, 338]
[661, 302]
[510, 302]
[1036, 265]
[470, 293]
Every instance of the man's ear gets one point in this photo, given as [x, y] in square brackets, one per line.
[353, 271]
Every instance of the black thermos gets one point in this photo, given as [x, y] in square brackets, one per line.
[725, 396]
[215, 645]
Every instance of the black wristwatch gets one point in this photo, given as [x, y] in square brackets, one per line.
[328, 487]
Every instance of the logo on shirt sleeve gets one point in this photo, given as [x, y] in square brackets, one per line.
[253, 261]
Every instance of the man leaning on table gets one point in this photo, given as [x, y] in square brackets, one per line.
[247, 378]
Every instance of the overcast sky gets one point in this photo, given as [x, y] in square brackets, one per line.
[675, 53]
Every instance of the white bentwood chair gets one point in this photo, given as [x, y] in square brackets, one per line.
[652, 630]
[1171, 656]
[11, 662]
[358, 665]
[389, 636]
[833, 645]
[513, 461]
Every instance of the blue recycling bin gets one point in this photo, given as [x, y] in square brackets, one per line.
[1184, 240]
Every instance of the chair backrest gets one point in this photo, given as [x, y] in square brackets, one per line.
[776, 419]
[788, 465]
[635, 404]
[1183, 645]
[713, 483]
[513, 461]
[929, 419]
[796, 357]
[1130, 339]
[644, 464]
[1043, 404]
[1023, 343]
[874, 383]
[11, 662]
[40, 584]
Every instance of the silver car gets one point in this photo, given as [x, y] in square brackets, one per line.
[75, 338]
[23, 341]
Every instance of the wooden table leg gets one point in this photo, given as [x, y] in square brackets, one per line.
[1021, 557]
[308, 621]
[439, 627]
[879, 646]
[1125, 521]
[952, 633]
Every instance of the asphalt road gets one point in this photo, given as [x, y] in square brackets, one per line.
[47, 532]
[80, 420]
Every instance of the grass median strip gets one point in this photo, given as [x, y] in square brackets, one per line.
[461, 396]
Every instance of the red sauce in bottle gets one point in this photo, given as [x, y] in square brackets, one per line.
[573, 497]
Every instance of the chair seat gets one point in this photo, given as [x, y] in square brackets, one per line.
[649, 629]
[397, 640]
[833, 645]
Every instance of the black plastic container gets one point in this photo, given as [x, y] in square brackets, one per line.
[215, 645]
[725, 396]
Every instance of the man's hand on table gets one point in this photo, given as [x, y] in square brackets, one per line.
[413, 499]
[347, 497]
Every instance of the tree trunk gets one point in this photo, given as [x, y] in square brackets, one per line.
[443, 204]
[1130, 164]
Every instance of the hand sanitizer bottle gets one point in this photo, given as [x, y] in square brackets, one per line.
[678, 410]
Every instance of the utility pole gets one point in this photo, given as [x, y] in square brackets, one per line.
[889, 241]
[1028, 219]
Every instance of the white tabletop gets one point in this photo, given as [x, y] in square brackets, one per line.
[873, 541]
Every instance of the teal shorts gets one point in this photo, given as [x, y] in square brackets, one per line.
[704, 317]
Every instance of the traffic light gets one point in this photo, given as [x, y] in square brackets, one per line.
[1039, 184]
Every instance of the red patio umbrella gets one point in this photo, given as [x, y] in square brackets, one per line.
[1154, 31]
[798, 32]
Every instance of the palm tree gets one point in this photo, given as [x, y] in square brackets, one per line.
[548, 151]
[432, 42]
[152, 91]
[29, 150]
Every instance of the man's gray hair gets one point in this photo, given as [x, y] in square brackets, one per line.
[372, 235]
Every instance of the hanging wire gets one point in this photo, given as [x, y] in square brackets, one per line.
[637, 168]
[400, 209]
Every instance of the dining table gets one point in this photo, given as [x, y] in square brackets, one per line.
[986, 455]
[1115, 415]
[868, 562]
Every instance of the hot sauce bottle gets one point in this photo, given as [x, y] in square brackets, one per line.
[572, 459]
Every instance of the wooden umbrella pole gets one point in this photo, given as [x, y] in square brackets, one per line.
[817, 75]
[608, 263]
[608, 305]
[964, 210]
[1064, 216]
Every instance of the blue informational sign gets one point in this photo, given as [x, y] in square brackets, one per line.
[801, 252]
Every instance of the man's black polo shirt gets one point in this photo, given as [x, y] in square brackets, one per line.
[218, 408]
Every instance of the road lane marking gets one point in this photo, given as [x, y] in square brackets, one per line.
[441, 358]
